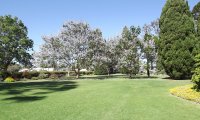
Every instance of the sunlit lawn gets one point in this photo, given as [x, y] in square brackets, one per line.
[99, 99]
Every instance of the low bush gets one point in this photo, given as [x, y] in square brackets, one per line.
[9, 79]
[17, 76]
[12, 69]
[186, 92]
[196, 75]
[43, 76]
[54, 76]
[100, 70]
[26, 74]
[3, 74]
[34, 73]
[124, 70]
[87, 73]
[34, 78]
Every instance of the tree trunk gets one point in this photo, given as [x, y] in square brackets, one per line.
[108, 71]
[148, 72]
[68, 73]
[130, 75]
[151, 65]
[77, 73]
[5, 72]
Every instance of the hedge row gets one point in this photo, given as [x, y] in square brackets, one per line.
[44, 74]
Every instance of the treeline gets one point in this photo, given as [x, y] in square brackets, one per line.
[78, 46]
[169, 43]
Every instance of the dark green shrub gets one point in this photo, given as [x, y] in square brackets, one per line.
[34, 73]
[124, 70]
[100, 70]
[196, 75]
[17, 76]
[4, 74]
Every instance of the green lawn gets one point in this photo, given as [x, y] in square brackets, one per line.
[103, 99]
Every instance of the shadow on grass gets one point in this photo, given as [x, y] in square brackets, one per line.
[169, 78]
[25, 98]
[144, 77]
[104, 77]
[36, 90]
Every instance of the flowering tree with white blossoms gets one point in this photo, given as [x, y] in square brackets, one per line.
[110, 58]
[75, 38]
[128, 50]
[151, 32]
[70, 48]
[48, 56]
[96, 49]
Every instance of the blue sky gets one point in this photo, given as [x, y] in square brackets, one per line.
[45, 17]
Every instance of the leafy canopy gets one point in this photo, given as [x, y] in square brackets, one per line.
[14, 42]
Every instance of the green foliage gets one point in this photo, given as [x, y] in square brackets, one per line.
[196, 14]
[43, 75]
[34, 73]
[4, 74]
[196, 75]
[35, 78]
[54, 76]
[13, 68]
[128, 50]
[87, 73]
[100, 70]
[9, 79]
[177, 39]
[124, 70]
[14, 42]
[196, 11]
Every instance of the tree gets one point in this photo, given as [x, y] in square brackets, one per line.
[14, 42]
[155, 35]
[149, 48]
[49, 54]
[111, 58]
[128, 47]
[196, 75]
[75, 38]
[13, 68]
[177, 39]
[196, 14]
[95, 49]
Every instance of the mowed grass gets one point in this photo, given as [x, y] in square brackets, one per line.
[104, 99]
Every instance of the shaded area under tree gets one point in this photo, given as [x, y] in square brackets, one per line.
[20, 92]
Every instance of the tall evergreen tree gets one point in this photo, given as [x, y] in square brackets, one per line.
[196, 14]
[177, 39]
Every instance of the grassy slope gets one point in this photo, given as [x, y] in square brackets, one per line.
[111, 99]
